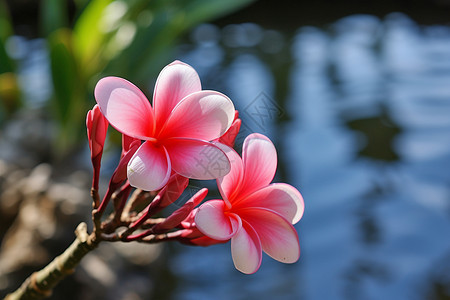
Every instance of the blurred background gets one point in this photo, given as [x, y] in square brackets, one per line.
[354, 94]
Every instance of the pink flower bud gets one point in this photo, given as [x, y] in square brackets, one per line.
[182, 213]
[120, 174]
[229, 137]
[194, 237]
[127, 142]
[174, 188]
[97, 126]
[205, 241]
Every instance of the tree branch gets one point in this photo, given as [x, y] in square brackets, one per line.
[40, 284]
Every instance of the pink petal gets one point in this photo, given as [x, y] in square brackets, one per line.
[213, 222]
[246, 250]
[229, 184]
[278, 237]
[125, 107]
[197, 159]
[279, 197]
[259, 157]
[176, 81]
[204, 115]
[149, 168]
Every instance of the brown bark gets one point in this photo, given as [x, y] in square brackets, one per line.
[41, 283]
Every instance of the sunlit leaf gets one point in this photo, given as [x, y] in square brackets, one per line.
[10, 96]
[198, 11]
[163, 23]
[70, 101]
[63, 71]
[88, 35]
[6, 64]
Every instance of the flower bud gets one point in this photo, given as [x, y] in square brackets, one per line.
[182, 213]
[127, 142]
[229, 137]
[120, 174]
[174, 188]
[97, 127]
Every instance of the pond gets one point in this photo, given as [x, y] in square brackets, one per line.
[360, 114]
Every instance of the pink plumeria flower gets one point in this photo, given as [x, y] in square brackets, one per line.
[256, 215]
[176, 130]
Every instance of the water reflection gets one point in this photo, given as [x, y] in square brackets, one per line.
[367, 141]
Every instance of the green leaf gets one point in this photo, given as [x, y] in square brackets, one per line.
[6, 64]
[153, 44]
[198, 11]
[69, 101]
[88, 36]
[54, 15]
[63, 70]
[10, 97]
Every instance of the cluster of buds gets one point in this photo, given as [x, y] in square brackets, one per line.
[135, 212]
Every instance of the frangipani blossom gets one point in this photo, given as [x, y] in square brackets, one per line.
[176, 130]
[256, 215]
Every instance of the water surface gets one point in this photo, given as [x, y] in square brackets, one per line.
[360, 114]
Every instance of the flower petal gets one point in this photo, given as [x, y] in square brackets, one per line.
[149, 168]
[279, 197]
[176, 81]
[125, 107]
[259, 157]
[279, 238]
[197, 159]
[212, 221]
[246, 250]
[229, 184]
[204, 115]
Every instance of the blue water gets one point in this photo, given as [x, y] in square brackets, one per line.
[361, 121]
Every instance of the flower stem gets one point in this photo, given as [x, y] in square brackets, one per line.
[40, 284]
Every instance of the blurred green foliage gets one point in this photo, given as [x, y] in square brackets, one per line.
[9, 88]
[133, 39]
